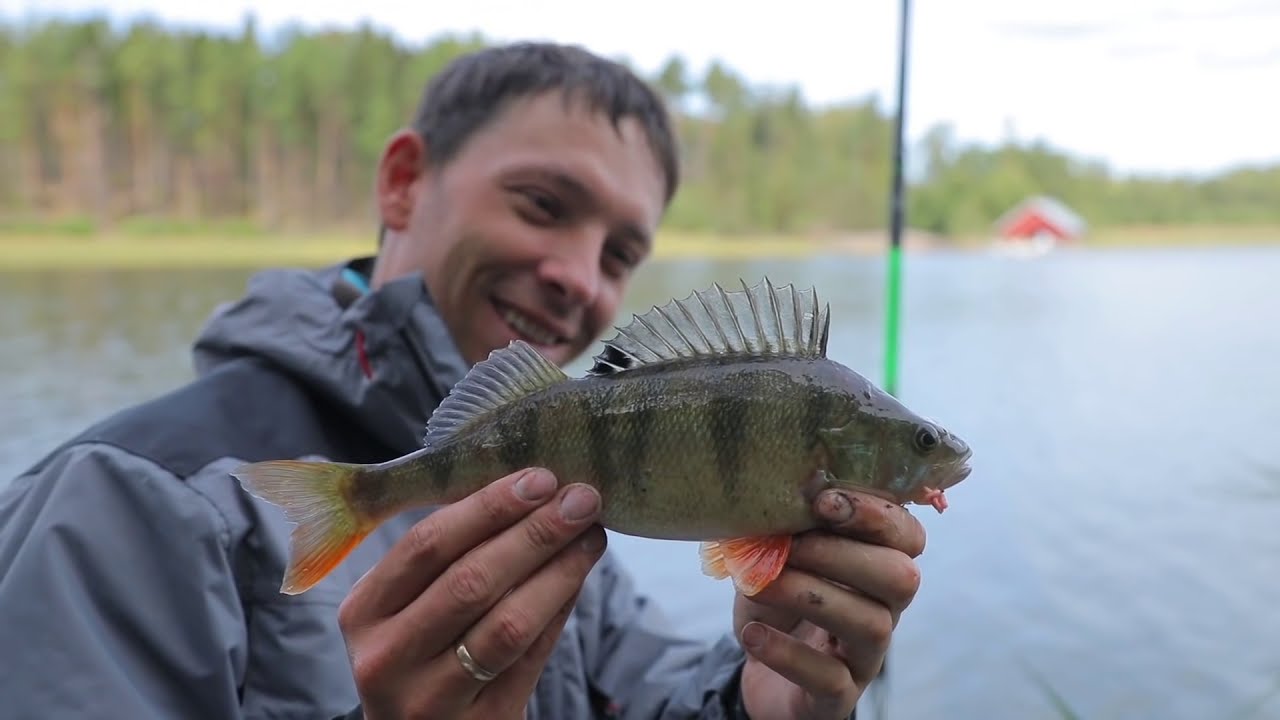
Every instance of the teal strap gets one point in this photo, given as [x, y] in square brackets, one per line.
[356, 279]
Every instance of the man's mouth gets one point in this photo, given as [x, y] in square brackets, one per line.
[526, 327]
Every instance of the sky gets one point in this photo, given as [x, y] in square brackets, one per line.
[1168, 86]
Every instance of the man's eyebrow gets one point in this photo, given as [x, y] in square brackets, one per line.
[569, 184]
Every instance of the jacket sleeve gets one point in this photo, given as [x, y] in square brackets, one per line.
[116, 594]
[648, 672]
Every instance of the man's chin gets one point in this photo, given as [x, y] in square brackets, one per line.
[559, 354]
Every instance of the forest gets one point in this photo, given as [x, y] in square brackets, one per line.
[106, 125]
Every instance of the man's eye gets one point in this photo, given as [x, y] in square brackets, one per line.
[621, 255]
[618, 259]
[542, 208]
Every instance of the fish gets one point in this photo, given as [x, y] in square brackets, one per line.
[718, 418]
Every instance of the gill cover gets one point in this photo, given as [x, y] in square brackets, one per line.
[853, 452]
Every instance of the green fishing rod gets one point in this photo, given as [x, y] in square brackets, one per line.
[893, 279]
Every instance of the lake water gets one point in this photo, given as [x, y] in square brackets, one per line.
[1119, 539]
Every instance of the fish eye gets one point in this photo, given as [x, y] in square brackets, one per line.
[926, 439]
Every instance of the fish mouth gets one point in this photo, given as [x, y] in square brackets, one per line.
[954, 476]
[949, 474]
[943, 477]
[954, 472]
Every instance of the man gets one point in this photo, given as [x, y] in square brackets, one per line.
[137, 579]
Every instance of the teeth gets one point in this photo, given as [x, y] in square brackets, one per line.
[528, 327]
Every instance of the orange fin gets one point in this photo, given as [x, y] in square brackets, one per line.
[752, 562]
[311, 494]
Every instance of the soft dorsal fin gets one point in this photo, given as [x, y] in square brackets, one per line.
[508, 374]
[758, 321]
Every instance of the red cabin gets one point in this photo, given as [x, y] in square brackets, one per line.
[1040, 219]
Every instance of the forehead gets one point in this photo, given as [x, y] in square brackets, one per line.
[558, 134]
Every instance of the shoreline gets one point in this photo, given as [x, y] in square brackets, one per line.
[55, 250]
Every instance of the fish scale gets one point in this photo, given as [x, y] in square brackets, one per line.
[717, 418]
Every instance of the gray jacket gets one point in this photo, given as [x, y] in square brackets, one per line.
[137, 580]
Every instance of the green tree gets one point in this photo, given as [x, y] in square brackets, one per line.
[151, 123]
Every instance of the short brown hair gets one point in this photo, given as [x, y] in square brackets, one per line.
[476, 87]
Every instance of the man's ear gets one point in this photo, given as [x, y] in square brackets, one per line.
[401, 165]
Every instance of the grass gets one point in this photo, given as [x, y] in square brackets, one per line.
[1251, 709]
[35, 251]
[50, 246]
[1052, 697]
[1268, 486]
[132, 252]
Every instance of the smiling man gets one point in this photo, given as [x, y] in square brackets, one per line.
[139, 580]
[532, 227]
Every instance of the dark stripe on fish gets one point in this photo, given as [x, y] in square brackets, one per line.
[729, 440]
[442, 469]
[636, 428]
[599, 440]
[517, 448]
[817, 406]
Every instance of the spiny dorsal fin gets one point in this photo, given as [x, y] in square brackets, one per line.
[760, 321]
[508, 374]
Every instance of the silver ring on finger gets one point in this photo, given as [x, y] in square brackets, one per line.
[472, 667]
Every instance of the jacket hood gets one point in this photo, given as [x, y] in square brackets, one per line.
[385, 356]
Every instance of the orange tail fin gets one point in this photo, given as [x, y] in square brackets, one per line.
[311, 495]
[753, 562]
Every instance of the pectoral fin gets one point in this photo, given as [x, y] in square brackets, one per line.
[752, 562]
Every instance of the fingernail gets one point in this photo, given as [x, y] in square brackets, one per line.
[753, 636]
[579, 503]
[536, 485]
[835, 507]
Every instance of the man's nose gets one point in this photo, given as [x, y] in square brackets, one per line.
[574, 271]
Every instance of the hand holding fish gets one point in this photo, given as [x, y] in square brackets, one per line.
[817, 635]
[440, 589]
